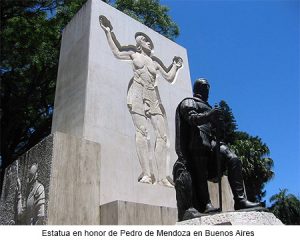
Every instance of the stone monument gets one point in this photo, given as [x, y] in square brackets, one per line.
[92, 98]
[124, 107]
[109, 158]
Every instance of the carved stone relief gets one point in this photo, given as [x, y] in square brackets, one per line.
[25, 194]
[31, 209]
[144, 103]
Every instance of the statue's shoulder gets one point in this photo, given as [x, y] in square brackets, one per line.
[188, 102]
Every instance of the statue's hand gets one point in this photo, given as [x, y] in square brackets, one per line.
[177, 61]
[215, 114]
[105, 23]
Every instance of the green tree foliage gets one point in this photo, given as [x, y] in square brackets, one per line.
[256, 163]
[150, 13]
[286, 207]
[29, 60]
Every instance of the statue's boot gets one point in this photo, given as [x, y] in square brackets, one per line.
[190, 214]
[237, 186]
[209, 208]
[244, 204]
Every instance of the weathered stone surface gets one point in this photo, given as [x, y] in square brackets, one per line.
[235, 218]
[75, 181]
[40, 154]
[128, 213]
[69, 170]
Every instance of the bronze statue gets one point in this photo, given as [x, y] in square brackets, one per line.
[196, 122]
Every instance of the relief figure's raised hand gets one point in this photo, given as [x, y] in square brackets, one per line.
[105, 24]
[177, 61]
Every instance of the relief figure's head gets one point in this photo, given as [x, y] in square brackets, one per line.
[201, 88]
[143, 42]
[32, 173]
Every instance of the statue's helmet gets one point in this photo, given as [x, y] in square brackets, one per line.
[199, 84]
[201, 87]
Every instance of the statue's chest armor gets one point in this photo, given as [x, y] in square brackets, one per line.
[202, 107]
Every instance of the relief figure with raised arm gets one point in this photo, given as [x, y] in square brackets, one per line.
[143, 100]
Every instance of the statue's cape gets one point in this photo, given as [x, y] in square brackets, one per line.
[182, 143]
[182, 132]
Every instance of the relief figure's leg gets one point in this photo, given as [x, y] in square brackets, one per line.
[142, 146]
[161, 149]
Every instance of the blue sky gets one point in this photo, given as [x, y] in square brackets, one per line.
[249, 51]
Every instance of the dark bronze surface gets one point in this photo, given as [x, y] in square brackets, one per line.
[199, 151]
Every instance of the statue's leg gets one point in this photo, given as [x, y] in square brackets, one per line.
[201, 196]
[183, 187]
[234, 166]
[235, 179]
[161, 148]
[142, 146]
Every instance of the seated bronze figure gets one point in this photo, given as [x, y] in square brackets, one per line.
[196, 143]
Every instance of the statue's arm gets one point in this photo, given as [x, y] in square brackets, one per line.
[118, 53]
[189, 112]
[114, 44]
[170, 73]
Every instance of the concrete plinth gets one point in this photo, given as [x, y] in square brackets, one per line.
[235, 218]
[129, 213]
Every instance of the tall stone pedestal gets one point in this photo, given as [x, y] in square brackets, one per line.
[91, 101]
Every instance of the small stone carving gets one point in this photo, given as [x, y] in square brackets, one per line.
[196, 144]
[143, 99]
[32, 210]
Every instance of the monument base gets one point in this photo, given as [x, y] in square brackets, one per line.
[130, 213]
[68, 178]
[235, 218]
